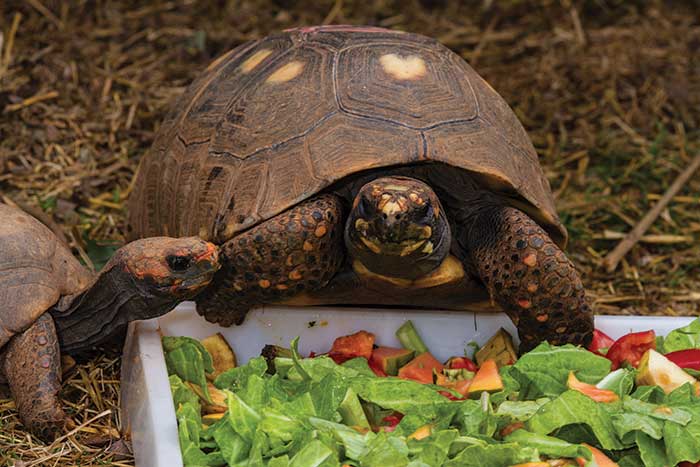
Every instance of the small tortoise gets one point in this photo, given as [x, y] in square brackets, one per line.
[360, 166]
[49, 301]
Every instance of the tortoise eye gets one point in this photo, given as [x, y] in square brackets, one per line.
[365, 207]
[425, 212]
[178, 263]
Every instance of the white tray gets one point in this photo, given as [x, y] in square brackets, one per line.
[147, 405]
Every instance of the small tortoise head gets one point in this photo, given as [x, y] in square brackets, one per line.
[397, 227]
[175, 268]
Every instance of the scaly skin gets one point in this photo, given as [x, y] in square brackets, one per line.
[298, 250]
[528, 275]
[31, 361]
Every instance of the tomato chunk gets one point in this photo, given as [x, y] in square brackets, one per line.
[455, 363]
[600, 341]
[630, 348]
[355, 345]
[686, 358]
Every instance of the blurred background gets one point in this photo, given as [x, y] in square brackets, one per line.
[609, 92]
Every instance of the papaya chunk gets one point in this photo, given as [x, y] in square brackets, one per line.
[389, 359]
[217, 402]
[222, 355]
[486, 379]
[352, 346]
[598, 395]
[421, 368]
[422, 432]
[600, 459]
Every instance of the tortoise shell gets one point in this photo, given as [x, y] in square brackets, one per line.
[36, 270]
[275, 121]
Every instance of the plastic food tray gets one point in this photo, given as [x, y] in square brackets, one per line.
[147, 405]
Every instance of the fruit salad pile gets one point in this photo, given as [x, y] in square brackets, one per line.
[629, 402]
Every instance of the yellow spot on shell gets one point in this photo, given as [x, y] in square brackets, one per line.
[286, 72]
[308, 246]
[254, 60]
[213, 64]
[264, 283]
[403, 68]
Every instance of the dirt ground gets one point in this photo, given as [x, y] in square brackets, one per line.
[609, 92]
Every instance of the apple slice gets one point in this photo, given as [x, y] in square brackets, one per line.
[657, 370]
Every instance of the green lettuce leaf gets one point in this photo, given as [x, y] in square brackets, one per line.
[494, 455]
[687, 337]
[385, 450]
[243, 418]
[188, 359]
[182, 394]
[570, 408]
[434, 450]
[237, 378]
[620, 381]
[548, 445]
[404, 396]
[544, 370]
[189, 428]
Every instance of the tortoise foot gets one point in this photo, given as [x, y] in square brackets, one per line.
[297, 251]
[32, 365]
[530, 277]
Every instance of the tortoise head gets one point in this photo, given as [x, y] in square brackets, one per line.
[397, 227]
[169, 268]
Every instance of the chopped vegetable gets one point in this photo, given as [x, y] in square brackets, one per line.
[389, 359]
[410, 339]
[598, 395]
[598, 456]
[421, 368]
[499, 348]
[486, 379]
[689, 358]
[355, 345]
[456, 363]
[557, 405]
[600, 342]
[630, 348]
[657, 370]
[222, 355]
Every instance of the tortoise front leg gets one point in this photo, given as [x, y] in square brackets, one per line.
[296, 251]
[526, 274]
[32, 365]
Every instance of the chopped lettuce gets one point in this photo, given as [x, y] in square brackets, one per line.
[687, 337]
[313, 412]
[544, 370]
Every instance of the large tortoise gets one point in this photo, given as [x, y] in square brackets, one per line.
[50, 303]
[360, 166]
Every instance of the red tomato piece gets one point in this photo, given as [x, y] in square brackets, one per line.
[355, 345]
[455, 363]
[686, 358]
[600, 341]
[630, 348]
[391, 421]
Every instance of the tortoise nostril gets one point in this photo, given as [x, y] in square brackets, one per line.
[178, 263]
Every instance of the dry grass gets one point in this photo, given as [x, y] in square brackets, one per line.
[608, 90]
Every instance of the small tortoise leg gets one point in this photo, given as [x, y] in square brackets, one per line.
[32, 364]
[529, 276]
[296, 251]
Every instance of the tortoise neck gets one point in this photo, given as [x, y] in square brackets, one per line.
[98, 316]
